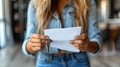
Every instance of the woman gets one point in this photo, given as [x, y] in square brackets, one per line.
[48, 14]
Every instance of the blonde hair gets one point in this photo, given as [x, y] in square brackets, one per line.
[45, 9]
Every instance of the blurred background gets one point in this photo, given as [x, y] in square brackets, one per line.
[13, 14]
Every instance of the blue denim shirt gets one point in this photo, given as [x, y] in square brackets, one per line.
[68, 19]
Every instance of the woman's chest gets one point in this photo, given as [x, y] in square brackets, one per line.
[67, 18]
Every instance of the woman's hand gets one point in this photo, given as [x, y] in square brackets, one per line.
[81, 42]
[36, 43]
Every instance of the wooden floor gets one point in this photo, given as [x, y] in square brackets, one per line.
[13, 57]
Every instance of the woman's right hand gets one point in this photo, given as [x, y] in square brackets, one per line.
[36, 43]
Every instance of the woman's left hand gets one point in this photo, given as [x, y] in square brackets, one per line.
[81, 42]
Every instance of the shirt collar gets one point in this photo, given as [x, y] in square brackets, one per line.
[55, 14]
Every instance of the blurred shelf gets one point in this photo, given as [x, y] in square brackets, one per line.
[103, 25]
[113, 21]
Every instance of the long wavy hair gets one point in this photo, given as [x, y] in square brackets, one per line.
[46, 8]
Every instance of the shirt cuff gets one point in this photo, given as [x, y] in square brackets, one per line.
[25, 51]
[99, 44]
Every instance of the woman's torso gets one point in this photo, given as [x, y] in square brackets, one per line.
[68, 60]
[68, 21]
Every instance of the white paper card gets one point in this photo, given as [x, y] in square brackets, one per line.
[61, 37]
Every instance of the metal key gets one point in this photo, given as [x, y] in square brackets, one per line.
[48, 44]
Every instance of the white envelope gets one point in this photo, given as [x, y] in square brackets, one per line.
[61, 37]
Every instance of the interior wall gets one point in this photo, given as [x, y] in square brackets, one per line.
[8, 23]
[2, 25]
[117, 4]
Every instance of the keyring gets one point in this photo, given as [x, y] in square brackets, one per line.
[48, 44]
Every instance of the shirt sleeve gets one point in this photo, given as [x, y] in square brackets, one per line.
[93, 31]
[30, 27]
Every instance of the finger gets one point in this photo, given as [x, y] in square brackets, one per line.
[37, 36]
[44, 37]
[80, 47]
[76, 42]
[43, 41]
[81, 37]
[36, 44]
[35, 49]
[35, 40]
[84, 36]
[78, 37]
[76, 46]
